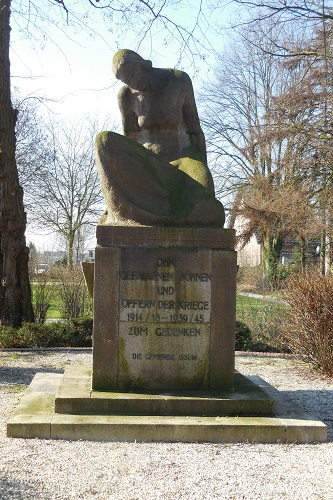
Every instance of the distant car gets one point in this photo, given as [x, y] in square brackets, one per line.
[42, 268]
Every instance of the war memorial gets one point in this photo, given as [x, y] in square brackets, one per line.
[164, 286]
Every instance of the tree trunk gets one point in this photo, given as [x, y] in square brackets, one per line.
[15, 292]
[272, 246]
[70, 248]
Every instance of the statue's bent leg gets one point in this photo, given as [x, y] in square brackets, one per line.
[198, 194]
[133, 180]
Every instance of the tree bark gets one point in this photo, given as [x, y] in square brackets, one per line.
[272, 246]
[70, 248]
[15, 292]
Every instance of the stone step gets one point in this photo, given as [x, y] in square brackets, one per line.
[76, 397]
[181, 429]
[34, 417]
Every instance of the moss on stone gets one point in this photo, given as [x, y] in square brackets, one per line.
[120, 58]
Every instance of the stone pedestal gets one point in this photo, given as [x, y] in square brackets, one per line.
[164, 309]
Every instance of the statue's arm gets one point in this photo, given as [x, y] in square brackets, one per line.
[129, 118]
[191, 119]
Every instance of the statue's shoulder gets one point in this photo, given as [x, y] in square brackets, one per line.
[181, 78]
[180, 75]
[125, 99]
[124, 94]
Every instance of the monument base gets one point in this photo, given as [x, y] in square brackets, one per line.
[59, 406]
[164, 309]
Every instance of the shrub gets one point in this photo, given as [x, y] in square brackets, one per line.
[263, 318]
[42, 294]
[80, 332]
[243, 337]
[309, 325]
[250, 279]
[285, 271]
[76, 333]
[73, 293]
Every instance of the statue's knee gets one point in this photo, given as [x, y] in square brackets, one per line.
[108, 139]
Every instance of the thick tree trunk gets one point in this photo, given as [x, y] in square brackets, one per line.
[15, 292]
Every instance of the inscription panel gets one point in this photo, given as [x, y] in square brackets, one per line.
[164, 319]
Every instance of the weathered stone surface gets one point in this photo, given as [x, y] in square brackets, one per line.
[76, 397]
[156, 173]
[32, 416]
[161, 237]
[88, 271]
[35, 418]
[164, 316]
[105, 338]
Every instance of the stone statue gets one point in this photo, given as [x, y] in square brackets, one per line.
[156, 173]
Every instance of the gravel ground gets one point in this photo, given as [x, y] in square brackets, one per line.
[42, 469]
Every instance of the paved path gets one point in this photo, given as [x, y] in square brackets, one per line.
[267, 298]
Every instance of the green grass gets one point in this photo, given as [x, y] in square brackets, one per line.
[257, 308]
[54, 311]
[65, 298]
[256, 305]
[264, 318]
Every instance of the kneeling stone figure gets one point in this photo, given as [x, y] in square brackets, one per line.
[156, 174]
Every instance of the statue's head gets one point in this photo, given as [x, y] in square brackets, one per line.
[130, 68]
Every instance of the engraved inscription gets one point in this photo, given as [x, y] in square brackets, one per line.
[164, 319]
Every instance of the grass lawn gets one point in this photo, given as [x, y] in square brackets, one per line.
[65, 299]
[264, 318]
[256, 305]
[52, 296]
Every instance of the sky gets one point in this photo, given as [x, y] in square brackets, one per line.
[69, 68]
